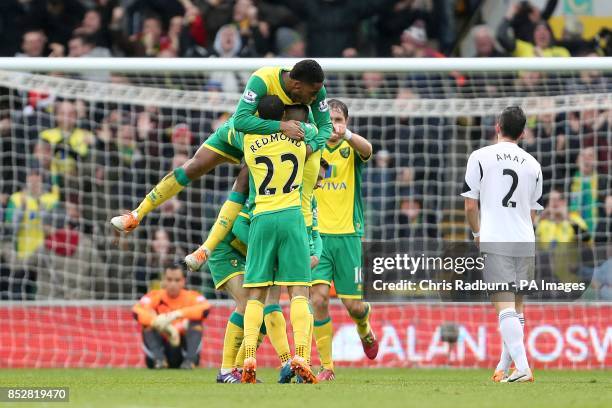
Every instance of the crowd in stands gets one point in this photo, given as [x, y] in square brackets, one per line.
[67, 166]
[282, 28]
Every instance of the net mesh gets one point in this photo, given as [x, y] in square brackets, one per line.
[133, 129]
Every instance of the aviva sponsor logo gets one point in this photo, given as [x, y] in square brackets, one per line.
[330, 185]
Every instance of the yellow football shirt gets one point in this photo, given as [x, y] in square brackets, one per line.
[340, 205]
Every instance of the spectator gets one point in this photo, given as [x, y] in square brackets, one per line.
[529, 83]
[585, 189]
[373, 84]
[147, 43]
[573, 39]
[61, 19]
[595, 131]
[171, 320]
[26, 212]
[160, 251]
[289, 43]
[194, 34]
[589, 81]
[331, 26]
[524, 16]
[254, 33]
[73, 270]
[93, 26]
[412, 222]
[33, 44]
[394, 20]
[542, 45]
[182, 139]
[484, 43]
[414, 44]
[557, 225]
[84, 46]
[379, 195]
[228, 44]
[69, 144]
[15, 16]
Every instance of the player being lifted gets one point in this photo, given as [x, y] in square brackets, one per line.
[303, 84]
[340, 216]
[227, 264]
[507, 182]
[278, 244]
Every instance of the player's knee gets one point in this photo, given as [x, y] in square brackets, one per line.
[202, 162]
[320, 302]
[354, 307]
[241, 305]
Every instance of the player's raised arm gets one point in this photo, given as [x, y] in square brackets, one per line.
[245, 118]
[320, 113]
[360, 144]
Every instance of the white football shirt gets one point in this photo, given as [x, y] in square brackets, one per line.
[508, 182]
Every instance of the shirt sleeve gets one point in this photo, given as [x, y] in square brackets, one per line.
[536, 196]
[320, 113]
[245, 119]
[473, 175]
[198, 310]
[236, 139]
[144, 310]
[241, 227]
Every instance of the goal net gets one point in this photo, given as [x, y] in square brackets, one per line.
[80, 147]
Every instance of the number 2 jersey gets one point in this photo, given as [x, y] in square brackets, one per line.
[508, 182]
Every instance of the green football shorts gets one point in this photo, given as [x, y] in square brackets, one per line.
[279, 252]
[218, 143]
[224, 263]
[341, 263]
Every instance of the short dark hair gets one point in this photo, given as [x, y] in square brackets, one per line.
[296, 112]
[338, 104]
[271, 108]
[308, 71]
[512, 122]
[173, 265]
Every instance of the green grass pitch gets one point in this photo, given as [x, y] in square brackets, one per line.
[354, 388]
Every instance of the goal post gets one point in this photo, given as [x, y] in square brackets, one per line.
[147, 116]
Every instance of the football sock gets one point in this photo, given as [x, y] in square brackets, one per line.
[323, 333]
[225, 220]
[253, 318]
[512, 334]
[309, 344]
[276, 327]
[240, 355]
[167, 188]
[363, 321]
[234, 333]
[300, 321]
[505, 360]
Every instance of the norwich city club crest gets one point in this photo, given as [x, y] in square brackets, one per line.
[345, 152]
[234, 262]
